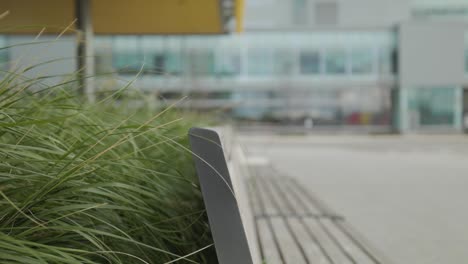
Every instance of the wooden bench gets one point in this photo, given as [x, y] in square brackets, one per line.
[257, 214]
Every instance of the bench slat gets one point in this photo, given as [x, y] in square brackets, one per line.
[316, 231]
[312, 226]
[269, 242]
[312, 250]
[289, 249]
[351, 248]
[299, 201]
[267, 205]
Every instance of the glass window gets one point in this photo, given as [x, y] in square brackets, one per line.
[362, 61]
[201, 62]
[162, 55]
[103, 53]
[432, 106]
[466, 60]
[260, 62]
[158, 64]
[385, 60]
[127, 57]
[283, 61]
[173, 63]
[229, 63]
[309, 62]
[127, 62]
[466, 52]
[335, 61]
[3, 53]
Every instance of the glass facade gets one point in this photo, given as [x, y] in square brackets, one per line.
[127, 56]
[466, 60]
[228, 63]
[3, 53]
[259, 54]
[362, 61]
[273, 60]
[387, 60]
[310, 62]
[287, 74]
[432, 106]
[336, 61]
[466, 52]
[260, 61]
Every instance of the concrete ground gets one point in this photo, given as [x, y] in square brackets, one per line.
[407, 194]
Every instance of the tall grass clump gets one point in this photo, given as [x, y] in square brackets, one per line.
[95, 183]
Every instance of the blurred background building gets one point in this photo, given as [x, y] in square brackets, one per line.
[392, 64]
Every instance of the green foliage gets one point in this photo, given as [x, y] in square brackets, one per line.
[108, 182]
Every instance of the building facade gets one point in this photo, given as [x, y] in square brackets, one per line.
[399, 64]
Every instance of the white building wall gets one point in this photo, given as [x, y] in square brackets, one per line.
[431, 53]
[367, 14]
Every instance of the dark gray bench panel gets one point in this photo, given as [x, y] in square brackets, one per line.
[226, 224]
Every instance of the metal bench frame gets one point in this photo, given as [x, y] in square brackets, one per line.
[227, 227]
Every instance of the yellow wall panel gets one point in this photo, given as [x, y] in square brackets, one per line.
[30, 16]
[115, 16]
[156, 16]
[239, 15]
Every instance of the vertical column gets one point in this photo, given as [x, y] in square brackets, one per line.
[458, 109]
[404, 111]
[400, 110]
[85, 49]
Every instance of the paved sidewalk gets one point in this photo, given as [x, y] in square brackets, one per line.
[407, 195]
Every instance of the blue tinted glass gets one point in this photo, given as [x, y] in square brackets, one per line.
[466, 60]
[127, 55]
[267, 53]
[229, 63]
[127, 61]
[260, 61]
[335, 61]
[3, 53]
[201, 62]
[163, 63]
[385, 60]
[284, 61]
[173, 63]
[309, 62]
[157, 64]
[432, 105]
[362, 61]
[466, 52]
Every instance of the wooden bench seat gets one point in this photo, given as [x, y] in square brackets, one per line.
[295, 227]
